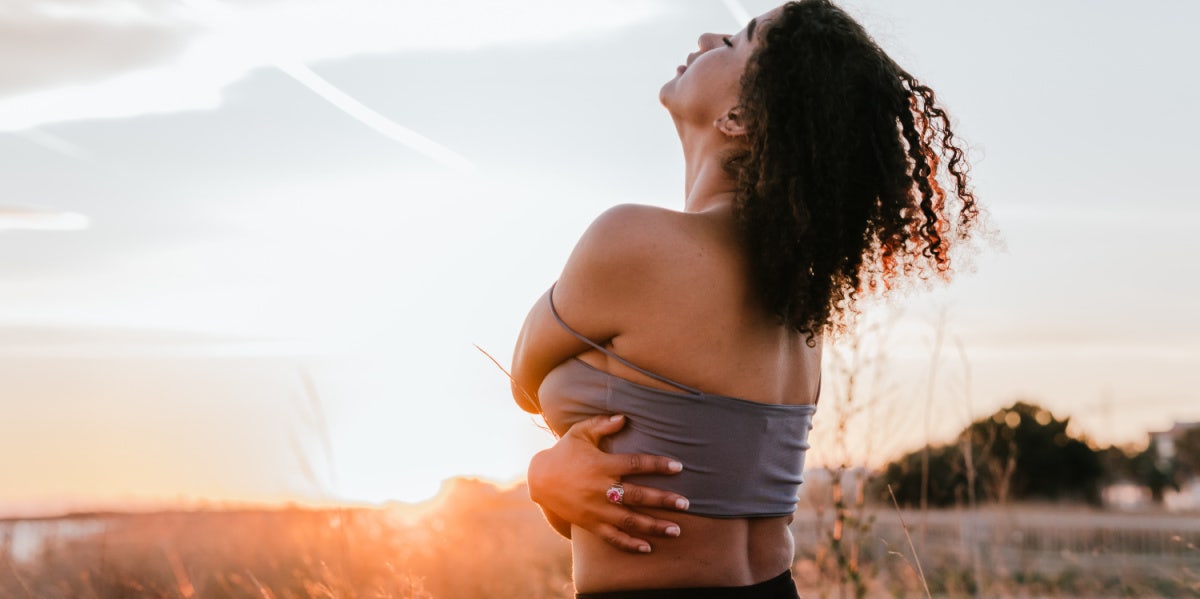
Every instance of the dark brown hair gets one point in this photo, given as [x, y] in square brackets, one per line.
[838, 190]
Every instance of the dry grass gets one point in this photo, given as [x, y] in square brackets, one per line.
[485, 542]
[480, 543]
[1025, 551]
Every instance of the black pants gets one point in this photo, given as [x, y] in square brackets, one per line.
[780, 587]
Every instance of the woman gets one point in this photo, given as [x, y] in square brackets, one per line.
[812, 166]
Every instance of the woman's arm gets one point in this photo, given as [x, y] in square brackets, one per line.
[612, 270]
[615, 268]
[568, 482]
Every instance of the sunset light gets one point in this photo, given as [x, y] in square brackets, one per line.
[240, 226]
[248, 251]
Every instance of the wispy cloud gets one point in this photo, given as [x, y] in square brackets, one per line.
[83, 341]
[124, 58]
[1092, 216]
[54, 143]
[374, 119]
[52, 43]
[40, 219]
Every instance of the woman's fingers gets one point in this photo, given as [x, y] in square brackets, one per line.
[570, 480]
[621, 465]
[621, 540]
[640, 463]
[596, 427]
[651, 497]
[636, 523]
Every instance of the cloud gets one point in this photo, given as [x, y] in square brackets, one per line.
[374, 119]
[63, 61]
[1133, 218]
[51, 43]
[39, 219]
[54, 143]
[63, 341]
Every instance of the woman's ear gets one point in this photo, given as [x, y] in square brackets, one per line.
[731, 124]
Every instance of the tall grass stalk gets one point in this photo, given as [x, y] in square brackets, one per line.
[934, 361]
[12, 566]
[972, 475]
[911, 547]
[320, 424]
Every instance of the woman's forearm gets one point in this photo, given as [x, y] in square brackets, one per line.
[560, 525]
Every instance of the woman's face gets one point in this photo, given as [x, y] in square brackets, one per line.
[708, 85]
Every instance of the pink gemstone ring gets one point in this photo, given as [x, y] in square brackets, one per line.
[616, 493]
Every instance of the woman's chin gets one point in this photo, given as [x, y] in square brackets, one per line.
[666, 94]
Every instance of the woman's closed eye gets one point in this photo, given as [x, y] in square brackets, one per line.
[728, 41]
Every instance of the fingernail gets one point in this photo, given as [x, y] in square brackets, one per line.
[673, 531]
[674, 466]
[644, 549]
[681, 504]
[614, 417]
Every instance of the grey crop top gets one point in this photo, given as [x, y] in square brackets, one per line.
[741, 459]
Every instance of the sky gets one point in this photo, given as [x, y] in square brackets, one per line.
[248, 249]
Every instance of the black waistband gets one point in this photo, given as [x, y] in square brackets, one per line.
[780, 587]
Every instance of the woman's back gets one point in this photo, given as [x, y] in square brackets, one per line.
[698, 323]
[817, 171]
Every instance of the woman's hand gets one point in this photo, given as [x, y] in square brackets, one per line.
[569, 482]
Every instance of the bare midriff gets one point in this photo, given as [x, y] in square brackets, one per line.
[708, 552]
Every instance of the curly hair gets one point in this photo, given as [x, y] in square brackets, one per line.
[838, 189]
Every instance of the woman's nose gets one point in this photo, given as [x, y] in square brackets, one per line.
[708, 41]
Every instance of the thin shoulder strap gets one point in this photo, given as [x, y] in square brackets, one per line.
[608, 352]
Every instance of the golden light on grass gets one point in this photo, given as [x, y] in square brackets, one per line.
[481, 540]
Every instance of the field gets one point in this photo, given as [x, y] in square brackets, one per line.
[480, 541]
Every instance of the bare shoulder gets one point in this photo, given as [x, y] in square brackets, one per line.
[639, 236]
[629, 254]
[632, 226]
[622, 250]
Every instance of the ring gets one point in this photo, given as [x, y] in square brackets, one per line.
[616, 493]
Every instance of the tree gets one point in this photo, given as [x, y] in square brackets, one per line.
[1022, 452]
[1117, 464]
[1187, 454]
[1156, 473]
[947, 480]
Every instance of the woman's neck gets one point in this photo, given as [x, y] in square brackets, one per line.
[706, 183]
